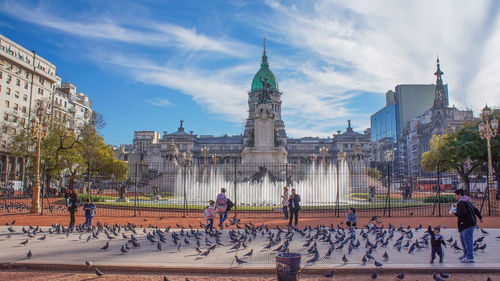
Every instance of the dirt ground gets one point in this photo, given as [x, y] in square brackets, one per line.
[46, 220]
[74, 276]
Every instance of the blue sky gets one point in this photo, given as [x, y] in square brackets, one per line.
[148, 64]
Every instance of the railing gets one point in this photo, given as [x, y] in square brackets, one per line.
[184, 190]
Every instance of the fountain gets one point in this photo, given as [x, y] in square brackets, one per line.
[317, 185]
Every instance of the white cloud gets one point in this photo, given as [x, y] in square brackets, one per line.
[160, 102]
[147, 32]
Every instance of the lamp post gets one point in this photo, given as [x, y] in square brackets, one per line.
[323, 150]
[214, 158]
[38, 130]
[314, 157]
[204, 150]
[488, 129]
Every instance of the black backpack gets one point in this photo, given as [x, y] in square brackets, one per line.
[230, 204]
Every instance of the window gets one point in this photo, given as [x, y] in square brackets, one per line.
[25, 97]
[14, 118]
[16, 106]
[65, 104]
[0, 74]
[16, 94]
[8, 79]
[40, 91]
[7, 103]
[23, 109]
[26, 85]
[0, 88]
[18, 82]
[27, 75]
[6, 117]
[8, 91]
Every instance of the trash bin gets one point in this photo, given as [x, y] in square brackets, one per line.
[288, 266]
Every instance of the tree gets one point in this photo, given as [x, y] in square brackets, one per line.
[374, 173]
[461, 150]
[69, 151]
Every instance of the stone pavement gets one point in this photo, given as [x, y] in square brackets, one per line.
[69, 251]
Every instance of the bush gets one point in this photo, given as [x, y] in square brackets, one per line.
[96, 199]
[446, 198]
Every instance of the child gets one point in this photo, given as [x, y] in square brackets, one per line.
[89, 209]
[352, 217]
[436, 241]
[209, 215]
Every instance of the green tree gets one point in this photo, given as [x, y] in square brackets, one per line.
[374, 173]
[461, 151]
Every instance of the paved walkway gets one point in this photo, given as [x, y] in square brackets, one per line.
[69, 251]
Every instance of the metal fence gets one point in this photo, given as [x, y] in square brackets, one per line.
[326, 190]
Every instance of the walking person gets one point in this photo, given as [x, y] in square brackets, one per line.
[436, 241]
[72, 203]
[209, 215]
[89, 208]
[221, 206]
[294, 206]
[285, 201]
[352, 217]
[466, 215]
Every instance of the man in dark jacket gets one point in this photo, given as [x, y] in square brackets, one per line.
[294, 206]
[466, 214]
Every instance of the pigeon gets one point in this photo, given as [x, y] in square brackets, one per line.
[98, 272]
[42, 238]
[250, 253]
[158, 246]
[377, 264]
[444, 275]
[123, 249]
[29, 254]
[24, 242]
[401, 275]
[374, 218]
[484, 232]
[374, 275]
[239, 261]
[88, 264]
[436, 277]
[315, 258]
[330, 274]
[105, 247]
[385, 256]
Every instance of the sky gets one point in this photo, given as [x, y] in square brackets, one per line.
[148, 64]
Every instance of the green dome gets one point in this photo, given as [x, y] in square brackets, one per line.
[264, 72]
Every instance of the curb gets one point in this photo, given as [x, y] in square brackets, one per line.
[339, 269]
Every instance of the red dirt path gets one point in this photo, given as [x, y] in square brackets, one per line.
[33, 219]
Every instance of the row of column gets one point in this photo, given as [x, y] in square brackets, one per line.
[11, 168]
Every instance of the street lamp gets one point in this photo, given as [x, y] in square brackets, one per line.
[38, 130]
[214, 158]
[204, 150]
[323, 150]
[314, 157]
[488, 129]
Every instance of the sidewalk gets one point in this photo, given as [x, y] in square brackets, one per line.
[69, 252]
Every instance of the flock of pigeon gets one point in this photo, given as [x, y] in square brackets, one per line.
[334, 245]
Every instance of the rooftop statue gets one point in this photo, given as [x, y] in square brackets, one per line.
[265, 95]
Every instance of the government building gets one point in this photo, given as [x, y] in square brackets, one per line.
[264, 139]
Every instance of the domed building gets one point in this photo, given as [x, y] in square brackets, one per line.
[208, 149]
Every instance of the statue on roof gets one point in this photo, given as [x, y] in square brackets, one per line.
[265, 95]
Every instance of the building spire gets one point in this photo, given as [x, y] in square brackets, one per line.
[264, 62]
[440, 96]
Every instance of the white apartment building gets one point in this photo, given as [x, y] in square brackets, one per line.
[26, 79]
[71, 107]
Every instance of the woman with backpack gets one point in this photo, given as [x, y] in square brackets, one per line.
[221, 206]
